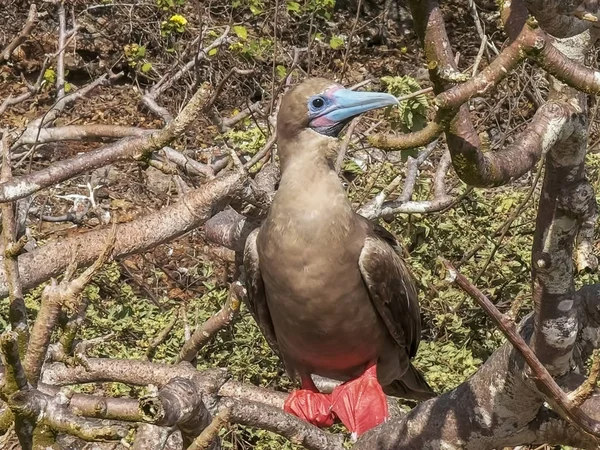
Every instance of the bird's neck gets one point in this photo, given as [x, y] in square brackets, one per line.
[310, 189]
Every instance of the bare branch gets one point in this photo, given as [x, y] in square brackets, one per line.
[129, 149]
[205, 332]
[291, 427]
[162, 336]
[140, 234]
[80, 132]
[60, 61]
[14, 382]
[149, 99]
[544, 381]
[17, 311]
[178, 403]
[586, 389]
[188, 165]
[150, 436]
[230, 229]
[345, 143]
[211, 432]
[49, 411]
[10, 48]
[14, 376]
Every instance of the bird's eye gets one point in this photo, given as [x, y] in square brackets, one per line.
[318, 102]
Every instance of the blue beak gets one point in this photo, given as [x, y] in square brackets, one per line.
[340, 105]
[347, 104]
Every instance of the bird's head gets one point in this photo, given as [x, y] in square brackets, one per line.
[324, 107]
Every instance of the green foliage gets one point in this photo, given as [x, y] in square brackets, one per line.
[336, 42]
[248, 141]
[281, 71]
[50, 75]
[411, 114]
[321, 8]
[446, 365]
[176, 24]
[136, 57]
[293, 7]
[255, 6]
[257, 49]
[241, 32]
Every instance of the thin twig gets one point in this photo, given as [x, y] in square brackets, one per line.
[60, 61]
[583, 392]
[345, 143]
[162, 336]
[349, 42]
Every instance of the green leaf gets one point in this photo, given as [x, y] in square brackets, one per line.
[281, 71]
[146, 67]
[241, 32]
[293, 7]
[336, 42]
[213, 51]
[67, 87]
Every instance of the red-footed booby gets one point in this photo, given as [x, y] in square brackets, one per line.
[326, 286]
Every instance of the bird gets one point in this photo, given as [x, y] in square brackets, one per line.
[328, 288]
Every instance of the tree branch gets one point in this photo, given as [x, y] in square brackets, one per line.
[128, 149]
[205, 332]
[17, 312]
[29, 23]
[136, 236]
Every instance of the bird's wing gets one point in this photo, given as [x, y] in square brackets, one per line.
[391, 287]
[256, 298]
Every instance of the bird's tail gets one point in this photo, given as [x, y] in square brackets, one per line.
[412, 386]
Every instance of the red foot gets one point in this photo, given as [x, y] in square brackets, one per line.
[313, 407]
[360, 403]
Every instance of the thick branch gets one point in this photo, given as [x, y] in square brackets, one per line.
[54, 297]
[178, 403]
[46, 410]
[541, 375]
[136, 236]
[274, 419]
[17, 312]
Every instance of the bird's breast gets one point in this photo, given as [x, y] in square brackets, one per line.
[323, 318]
